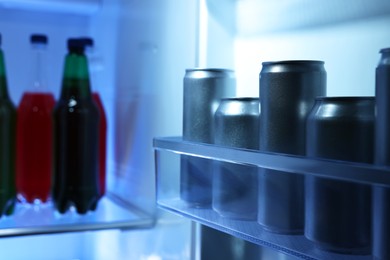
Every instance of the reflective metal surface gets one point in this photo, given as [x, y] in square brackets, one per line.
[203, 89]
[338, 213]
[287, 93]
[235, 186]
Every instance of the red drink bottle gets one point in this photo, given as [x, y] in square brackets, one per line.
[34, 133]
[102, 143]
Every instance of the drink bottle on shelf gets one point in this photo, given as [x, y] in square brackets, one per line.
[102, 143]
[76, 137]
[381, 195]
[7, 145]
[102, 125]
[34, 131]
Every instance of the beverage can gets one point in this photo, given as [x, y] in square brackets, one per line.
[338, 213]
[203, 90]
[235, 186]
[287, 93]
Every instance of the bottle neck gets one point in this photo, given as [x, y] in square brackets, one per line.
[39, 82]
[3, 78]
[76, 77]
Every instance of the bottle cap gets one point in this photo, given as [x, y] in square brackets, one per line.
[76, 45]
[87, 40]
[384, 50]
[39, 38]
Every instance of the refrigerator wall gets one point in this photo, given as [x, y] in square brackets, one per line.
[140, 46]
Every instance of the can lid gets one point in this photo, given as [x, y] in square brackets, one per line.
[202, 73]
[210, 70]
[38, 38]
[292, 66]
[344, 98]
[241, 99]
[294, 62]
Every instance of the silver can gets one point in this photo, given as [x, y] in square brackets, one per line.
[338, 213]
[203, 90]
[381, 207]
[287, 93]
[235, 186]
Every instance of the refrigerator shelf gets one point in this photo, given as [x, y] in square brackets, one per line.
[295, 245]
[340, 170]
[169, 152]
[112, 213]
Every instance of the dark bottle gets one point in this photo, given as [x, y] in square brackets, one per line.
[102, 125]
[7, 145]
[76, 137]
[34, 131]
[381, 195]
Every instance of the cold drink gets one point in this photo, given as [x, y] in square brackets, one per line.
[7, 145]
[76, 137]
[34, 132]
[102, 143]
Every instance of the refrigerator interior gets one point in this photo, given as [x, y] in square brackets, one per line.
[142, 49]
[133, 64]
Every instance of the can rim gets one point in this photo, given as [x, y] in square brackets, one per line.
[209, 69]
[385, 50]
[295, 62]
[344, 98]
[240, 99]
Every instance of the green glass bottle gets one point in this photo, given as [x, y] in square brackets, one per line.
[76, 137]
[7, 145]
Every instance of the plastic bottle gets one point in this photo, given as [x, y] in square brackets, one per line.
[7, 145]
[76, 137]
[102, 126]
[34, 131]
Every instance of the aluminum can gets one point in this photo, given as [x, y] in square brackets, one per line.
[235, 186]
[338, 213]
[381, 207]
[287, 93]
[203, 90]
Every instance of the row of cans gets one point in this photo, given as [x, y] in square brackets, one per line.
[292, 116]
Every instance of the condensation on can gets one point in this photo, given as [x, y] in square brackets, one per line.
[235, 187]
[203, 90]
[338, 213]
[287, 93]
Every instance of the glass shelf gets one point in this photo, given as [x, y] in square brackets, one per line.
[340, 170]
[111, 213]
[169, 154]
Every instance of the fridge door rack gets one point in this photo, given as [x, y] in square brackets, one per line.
[112, 213]
[168, 153]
